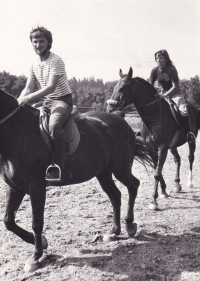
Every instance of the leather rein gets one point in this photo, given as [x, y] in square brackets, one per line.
[10, 115]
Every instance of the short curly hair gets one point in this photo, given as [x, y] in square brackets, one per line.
[41, 31]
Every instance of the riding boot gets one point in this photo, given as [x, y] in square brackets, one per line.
[56, 171]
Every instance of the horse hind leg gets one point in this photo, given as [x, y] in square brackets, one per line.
[177, 161]
[108, 185]
[192, 148]
[132, 184]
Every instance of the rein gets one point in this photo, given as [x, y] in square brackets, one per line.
[157, 100]
[10, 115]
[147, 104]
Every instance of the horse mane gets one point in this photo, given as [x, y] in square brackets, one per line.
[12, 102]
[7, 98]
[146, 84]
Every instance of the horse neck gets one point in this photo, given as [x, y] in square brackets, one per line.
[145, 101]
[7, 104]
[15, 130]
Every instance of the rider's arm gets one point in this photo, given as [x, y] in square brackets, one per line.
[36, 96]
[29, 88]
[171, 91]
[175, 83]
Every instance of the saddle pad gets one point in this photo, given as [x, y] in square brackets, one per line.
[72, 134]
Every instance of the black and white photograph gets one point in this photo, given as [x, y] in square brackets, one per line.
[99, 140]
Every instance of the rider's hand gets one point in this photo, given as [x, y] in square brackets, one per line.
[161, 96]
[23, 100]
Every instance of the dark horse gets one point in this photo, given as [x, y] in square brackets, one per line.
[107, 147]
[159, 128]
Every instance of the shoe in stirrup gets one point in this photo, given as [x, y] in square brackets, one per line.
[191, 137]
[53, 173]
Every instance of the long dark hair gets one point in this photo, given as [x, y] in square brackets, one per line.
[42, 32]
[166, 55]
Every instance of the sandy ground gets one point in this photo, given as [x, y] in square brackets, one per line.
[166, 245]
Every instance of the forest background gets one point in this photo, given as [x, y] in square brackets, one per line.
[92, 94]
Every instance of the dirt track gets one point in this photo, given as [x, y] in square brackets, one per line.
[166, 246]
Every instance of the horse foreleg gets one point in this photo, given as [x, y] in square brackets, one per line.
[37, 196]
[177, 161]
[153, 152]
[192, 148]
[13, 201]
[108, 185]
[162, 155]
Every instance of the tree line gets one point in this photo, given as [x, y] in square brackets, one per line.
[93, 93]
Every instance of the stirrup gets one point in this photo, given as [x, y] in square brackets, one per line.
[191, 137]
[53, 173]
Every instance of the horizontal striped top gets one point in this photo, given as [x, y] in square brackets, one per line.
[40, 72]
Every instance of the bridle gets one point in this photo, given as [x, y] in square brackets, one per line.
[127, 82]
[10, 115]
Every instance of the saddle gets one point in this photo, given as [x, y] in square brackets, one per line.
[72, 135]
[178, 115]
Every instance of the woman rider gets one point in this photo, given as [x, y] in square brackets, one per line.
[166, 76]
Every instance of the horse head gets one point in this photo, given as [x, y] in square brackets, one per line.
[130, 90]
[121, 96]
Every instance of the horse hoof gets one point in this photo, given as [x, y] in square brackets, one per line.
[44, 242]
[189, 185]
[178, 189]
[132, 230]
[31, 266]
[153, 206]
[109, 237]
[163, 195]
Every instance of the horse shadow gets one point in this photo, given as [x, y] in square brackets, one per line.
[150, 256]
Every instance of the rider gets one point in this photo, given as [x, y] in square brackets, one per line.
[166, 76]
[49, 71]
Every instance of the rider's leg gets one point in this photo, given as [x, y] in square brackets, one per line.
[60, 111]
[185, 112]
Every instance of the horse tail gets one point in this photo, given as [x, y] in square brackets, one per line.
[197, 112]
[198, 117]
[142, 153]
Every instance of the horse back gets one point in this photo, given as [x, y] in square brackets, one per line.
[103, 143]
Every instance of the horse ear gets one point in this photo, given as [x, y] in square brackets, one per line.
[130, 73]
[121, 73]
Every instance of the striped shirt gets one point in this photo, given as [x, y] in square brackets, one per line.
[40, 72]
